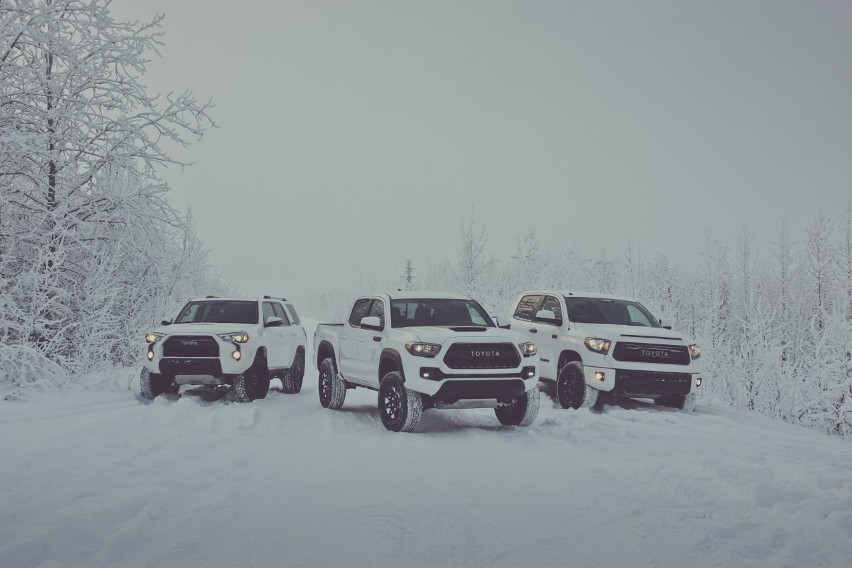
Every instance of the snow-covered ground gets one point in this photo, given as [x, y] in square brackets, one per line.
[106, 479]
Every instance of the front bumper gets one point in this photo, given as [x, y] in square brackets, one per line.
[451, 385]
[200, 370]
[642, 383]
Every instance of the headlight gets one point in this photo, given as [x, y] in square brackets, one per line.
[237, 337]
[423, 349]
[528, 349]
[153, 337]
[694, 351]
[598, 345]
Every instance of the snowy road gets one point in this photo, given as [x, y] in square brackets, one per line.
[108, 480]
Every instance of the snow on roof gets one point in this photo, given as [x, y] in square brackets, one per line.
[579, 294]
[424, 295]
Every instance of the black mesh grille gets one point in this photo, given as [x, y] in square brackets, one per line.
[190, 346]
[652, 382]
[482, 356]
[651, 353]
[181, 366]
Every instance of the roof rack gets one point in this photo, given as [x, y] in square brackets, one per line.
[211, 296]
[274, 298]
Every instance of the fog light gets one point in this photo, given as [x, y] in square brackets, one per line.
[529, 372]
[150, 355]
[431, 373]
[236, 355]
[698, 382]
[600, 375]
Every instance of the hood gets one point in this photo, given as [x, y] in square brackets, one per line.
[628, 332]
[202, 328]
[473, 334]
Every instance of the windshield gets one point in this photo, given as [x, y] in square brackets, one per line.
[605, 310]
[219, 311]
[438, 312]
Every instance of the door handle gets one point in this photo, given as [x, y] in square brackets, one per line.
[377, 338]
[533, 330]
[553, 336]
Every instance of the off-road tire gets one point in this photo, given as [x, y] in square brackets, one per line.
[291, 380]
[332, 389]
[153, 384]
[571, 388]
[522, 411]
[400, 408]
[253, 383]
[685, 402]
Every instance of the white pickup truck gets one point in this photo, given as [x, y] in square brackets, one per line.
[591, 343]
[427, 350]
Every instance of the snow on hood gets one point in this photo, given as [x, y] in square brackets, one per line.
[202, 328]
[613, 332]
[434, 334]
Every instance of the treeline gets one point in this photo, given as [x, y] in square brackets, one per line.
[90, 249]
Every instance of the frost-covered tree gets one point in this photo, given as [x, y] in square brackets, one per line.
[474, 265]
[85, 223]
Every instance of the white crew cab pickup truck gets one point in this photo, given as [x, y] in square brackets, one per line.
[592, 343]
[427, 350]
[227, 341]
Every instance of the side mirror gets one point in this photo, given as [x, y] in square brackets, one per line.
[547, 316]
[273, 321]
[166, 322]
[503, 323]
[372, 322]
[664, 326]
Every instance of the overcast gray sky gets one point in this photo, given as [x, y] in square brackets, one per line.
[357, 134]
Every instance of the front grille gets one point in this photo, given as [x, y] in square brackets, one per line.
[651, 382]
[190, 346]
[185, 366]
[651, 353]
[482, 356]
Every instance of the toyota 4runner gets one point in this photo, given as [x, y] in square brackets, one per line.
[227, 341]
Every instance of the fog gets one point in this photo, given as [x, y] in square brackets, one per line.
[354, 135]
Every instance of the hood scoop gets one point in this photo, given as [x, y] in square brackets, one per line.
[462, 329]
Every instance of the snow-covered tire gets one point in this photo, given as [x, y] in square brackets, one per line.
[152, 384]
[521, 411]
[332, 389]
[571, 388]
[399, 407]
[685, 402]
[291, 381]
[253, 383]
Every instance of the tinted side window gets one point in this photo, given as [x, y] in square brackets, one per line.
[378, 309]
[268, 312]
[359, 310]
[293, 315]
[552, 304]
[527, 307]
[279, 311]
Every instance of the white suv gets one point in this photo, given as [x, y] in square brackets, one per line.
[592, 343]
[227, 341]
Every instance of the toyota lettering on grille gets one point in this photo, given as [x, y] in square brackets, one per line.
[659, 353]
[492, 353]
[189, 342]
